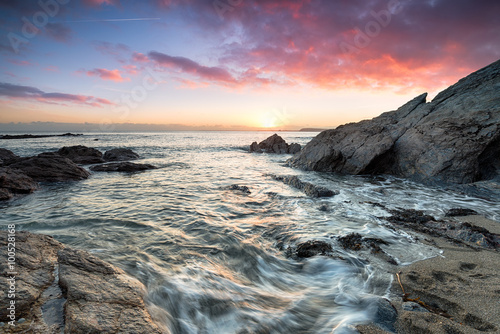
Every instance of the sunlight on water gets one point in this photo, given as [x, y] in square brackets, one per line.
[214, 260]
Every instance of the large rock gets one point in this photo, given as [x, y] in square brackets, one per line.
[58, 287]
[81, 154]
[50, 167]
[274, 144]
[13, 181]
[120, 154]
[6, 156]
[121, 167]
[453, 139]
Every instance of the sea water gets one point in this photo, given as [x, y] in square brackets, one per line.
[215, 260]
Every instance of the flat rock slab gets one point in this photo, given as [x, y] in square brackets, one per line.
[122, 167]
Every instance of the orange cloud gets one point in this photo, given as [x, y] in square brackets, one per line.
[113, 75]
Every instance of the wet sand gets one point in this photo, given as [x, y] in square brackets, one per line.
[462, 285]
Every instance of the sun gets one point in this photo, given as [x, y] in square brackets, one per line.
[269, 122]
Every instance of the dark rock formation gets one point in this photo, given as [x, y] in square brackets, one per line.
[81, 154]
[121, 167]
[274, 144]
[308, 188]
[27, 136]
[453, 139]
[82, 293]
[6, 156]
[313, 248]
[13, 181]
[50, 167]
[243, 189]
[120, 154]
[458, 212]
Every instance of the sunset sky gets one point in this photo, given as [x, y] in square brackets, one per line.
[231, 63]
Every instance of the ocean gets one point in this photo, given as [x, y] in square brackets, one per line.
[215, 260]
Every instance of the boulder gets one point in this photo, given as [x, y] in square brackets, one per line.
[120, 154]
[13, 181]
[453, 139]
[121, 167]
[274, 144]
[58, 287]
[50, 167]
[6, 156]
[81, 154]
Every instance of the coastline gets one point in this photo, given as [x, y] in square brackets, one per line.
[463, 284]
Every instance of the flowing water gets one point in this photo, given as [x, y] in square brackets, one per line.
[214, 260]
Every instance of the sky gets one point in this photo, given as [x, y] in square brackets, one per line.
[234, 64]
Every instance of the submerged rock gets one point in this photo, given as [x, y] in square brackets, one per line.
[243, 189]
[457, 212]
[50, 167]
[122, 167]
[81, 154]
[313, 248]
[120, 154]
[97, 297]
[453, 139]
[308, 188]
[275, 144]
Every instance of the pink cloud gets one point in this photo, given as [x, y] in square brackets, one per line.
[51, 68]
[140, 57]
[113, 75]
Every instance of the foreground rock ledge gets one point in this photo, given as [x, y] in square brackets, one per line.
[453, 139]
[95, 296]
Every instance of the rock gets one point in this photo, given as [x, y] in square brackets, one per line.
[28, 136]
[50, 167]
[6, 156]
[453, 139]
[81, 154]
[313, 248]
[243, 189]
[308, 188]
[457, 212]
[385, 314]
[95, 296]
[120, 154]
[274, 144]
[413, 307]
[13, 181]
[121, 167]
[100, 297]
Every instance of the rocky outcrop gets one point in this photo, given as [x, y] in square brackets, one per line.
[121, 167]
[453, 139]
[274, 144]
[308, 188]
[28, 136]
[13, 181]
[81, 154]
[50, 167]
[6, 156]
[120, 154]
[77, 291]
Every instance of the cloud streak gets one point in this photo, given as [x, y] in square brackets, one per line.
[17, 92]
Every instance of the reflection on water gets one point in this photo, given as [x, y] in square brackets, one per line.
[214, 260]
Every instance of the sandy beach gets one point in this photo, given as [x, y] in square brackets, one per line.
[462, 285]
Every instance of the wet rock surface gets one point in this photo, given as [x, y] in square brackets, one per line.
[458, 212]
[308, 188]
[122, 167]
[451, 230]
[313, 248]
[275, 144]
[97, 297]
[6, 156]
[453, 139]
[81, 154]
[120, 154]
[50, 167]
[243, 189]
[13, 181]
